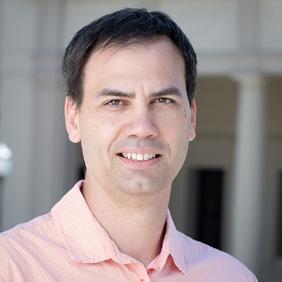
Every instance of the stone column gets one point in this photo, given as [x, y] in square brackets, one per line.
[248, 170]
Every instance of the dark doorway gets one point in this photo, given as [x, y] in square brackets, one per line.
[209, 206]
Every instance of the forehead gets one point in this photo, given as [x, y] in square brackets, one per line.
[151, 63]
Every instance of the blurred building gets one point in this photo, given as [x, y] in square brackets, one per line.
[229, 193]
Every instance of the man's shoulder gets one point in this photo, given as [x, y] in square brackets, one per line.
[28, 236]
[41, 229]
[26, 247]
[202, 256]
[21, 230]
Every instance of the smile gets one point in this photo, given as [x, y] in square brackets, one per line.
[139, 157]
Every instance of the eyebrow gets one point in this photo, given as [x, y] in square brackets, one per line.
[170, 91]
[113, 92]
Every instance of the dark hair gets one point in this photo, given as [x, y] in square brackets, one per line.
[121, 28]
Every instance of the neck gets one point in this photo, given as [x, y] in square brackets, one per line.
[130, 217]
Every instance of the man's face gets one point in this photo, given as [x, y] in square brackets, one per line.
[135, 121]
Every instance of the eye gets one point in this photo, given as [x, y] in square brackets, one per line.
[164, 100]
[115, 103]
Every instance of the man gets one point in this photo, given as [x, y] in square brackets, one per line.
[130, 79]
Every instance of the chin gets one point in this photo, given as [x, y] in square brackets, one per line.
[139, 188]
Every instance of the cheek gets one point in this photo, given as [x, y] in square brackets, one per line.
[175, 132]
[177, 124]
[179, 129]
[98, 134]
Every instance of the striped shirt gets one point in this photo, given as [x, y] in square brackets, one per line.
[68, 244]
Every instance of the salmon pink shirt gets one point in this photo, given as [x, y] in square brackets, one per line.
[68, 244]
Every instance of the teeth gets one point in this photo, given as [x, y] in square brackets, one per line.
[138, 156]
[146, 157]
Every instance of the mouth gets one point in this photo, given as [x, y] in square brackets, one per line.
[138, 156]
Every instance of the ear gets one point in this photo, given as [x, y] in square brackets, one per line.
[72, 120]
[192, 131]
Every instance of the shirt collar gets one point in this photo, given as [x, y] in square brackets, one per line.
[172, 246]
[84, 238]
[86, 241]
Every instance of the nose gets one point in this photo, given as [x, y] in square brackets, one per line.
[141, 124]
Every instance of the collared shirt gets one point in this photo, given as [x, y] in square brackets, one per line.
[68, 244]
